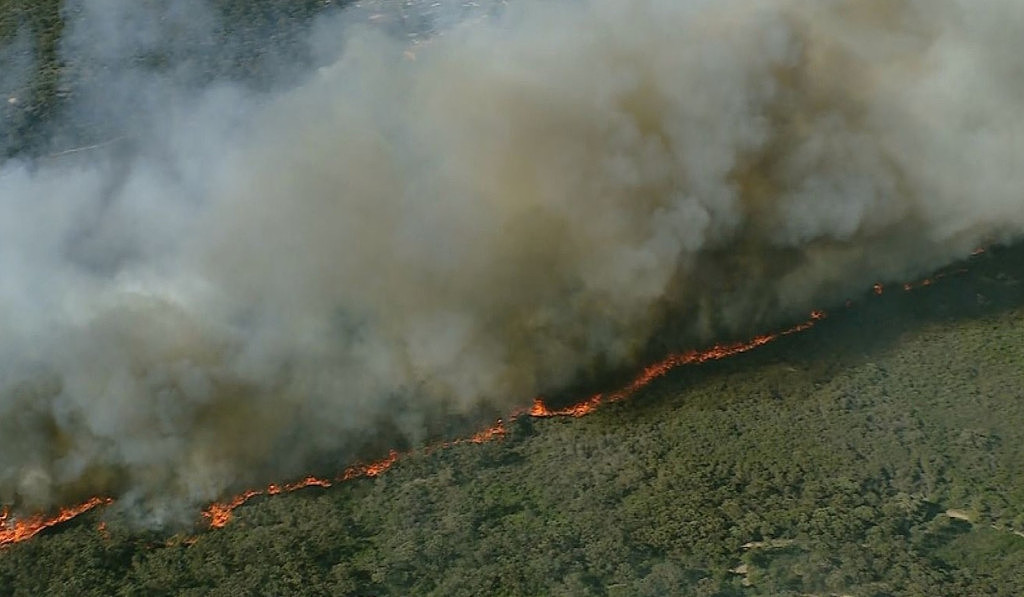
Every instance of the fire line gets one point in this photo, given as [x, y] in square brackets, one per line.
[218, 514]
[26, 528]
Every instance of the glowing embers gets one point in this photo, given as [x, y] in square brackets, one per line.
[16, 530]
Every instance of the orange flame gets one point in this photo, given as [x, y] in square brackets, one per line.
[17, 530]
[220, 514]
[372, 469]
[663, 367]
[492, 433]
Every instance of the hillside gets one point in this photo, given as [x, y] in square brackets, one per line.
[876, 454]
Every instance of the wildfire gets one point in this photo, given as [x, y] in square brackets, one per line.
[664, 366]
[16, 530]
[274, 489]
[220, 513]
[372, 469]
[481, 437]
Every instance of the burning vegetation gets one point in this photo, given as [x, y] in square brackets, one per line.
[14, 530]
[218, 514]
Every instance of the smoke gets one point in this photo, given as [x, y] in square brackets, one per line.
[264, 280]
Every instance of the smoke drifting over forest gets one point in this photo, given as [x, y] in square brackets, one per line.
[258, 282]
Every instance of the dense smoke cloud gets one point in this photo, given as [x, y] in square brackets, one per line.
[261, 282]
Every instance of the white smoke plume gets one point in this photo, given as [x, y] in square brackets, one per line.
[263, 282]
